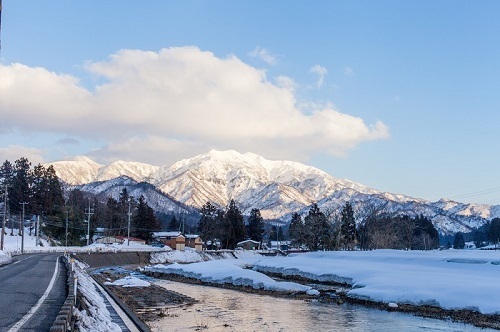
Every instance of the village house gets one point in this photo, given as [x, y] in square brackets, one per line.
[179, 241]
[248, 245]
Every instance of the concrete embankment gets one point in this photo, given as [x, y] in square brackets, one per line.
[95, 260]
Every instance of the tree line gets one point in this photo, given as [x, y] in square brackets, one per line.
[485, 235]
[40, 192]
[318, 230]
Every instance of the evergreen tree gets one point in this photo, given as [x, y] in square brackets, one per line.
[494, 231]
[174, 224]
[255, 226]
[459, 242]
[317, 229]
[426, 236]
[20, 190]
[348, 227]
[6, 175]
[145, 222]
[296, 230]
[126, 203]
[54, 199]
[112, 216]
[234, 226]
[207, 225]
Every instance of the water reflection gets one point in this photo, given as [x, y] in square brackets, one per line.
[227, 310]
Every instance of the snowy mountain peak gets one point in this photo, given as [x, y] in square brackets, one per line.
[249, 179]
[82, 170]
[276, 188]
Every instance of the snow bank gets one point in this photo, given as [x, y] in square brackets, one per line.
[98, 317]
[453, 279]
[189, 255]
[129, 281]
[5, 258]
[228, 272]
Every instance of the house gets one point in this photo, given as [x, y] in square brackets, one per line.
[194, 241]
[280, 245]
[179, 241]
[174, 240]
[248, 244]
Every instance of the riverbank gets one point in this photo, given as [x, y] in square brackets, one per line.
[454, 285]
[147, 300]
[337, 295]
[457, 285]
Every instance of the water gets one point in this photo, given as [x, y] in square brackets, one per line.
[228, 310]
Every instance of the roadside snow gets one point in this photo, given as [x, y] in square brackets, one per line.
[98, 317]
[5, 258]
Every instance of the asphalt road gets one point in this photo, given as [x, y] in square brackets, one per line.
[22, 285]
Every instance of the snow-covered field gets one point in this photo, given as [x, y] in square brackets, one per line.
[452, 279]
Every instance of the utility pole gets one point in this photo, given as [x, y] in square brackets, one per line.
[89, 213]
[21, 227]
[4, 201]
[67, 213]
[128, 228]
[37, 228]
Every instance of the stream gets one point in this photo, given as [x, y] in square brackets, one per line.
[221, 309]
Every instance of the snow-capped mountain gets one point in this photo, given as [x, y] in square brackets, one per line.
[81, 170]
[159, 201]
[276, 188]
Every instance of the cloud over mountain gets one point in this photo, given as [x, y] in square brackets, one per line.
[179, 94]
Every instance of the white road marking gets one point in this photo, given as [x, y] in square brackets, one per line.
[32, 311]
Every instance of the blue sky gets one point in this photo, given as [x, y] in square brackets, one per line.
[401, 96]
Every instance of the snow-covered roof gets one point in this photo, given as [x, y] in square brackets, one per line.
[166, 234]
[247, 241]
[191, 236]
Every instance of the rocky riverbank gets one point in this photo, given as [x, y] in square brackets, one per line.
[148, 303]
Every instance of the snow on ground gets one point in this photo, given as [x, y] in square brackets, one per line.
[451, 279]
[98, 317]
[129, 281]
[5, 258]
[228, 271]
[13, 243]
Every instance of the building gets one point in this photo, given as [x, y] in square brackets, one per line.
[179, 241]
[194, 241]
[248, 244]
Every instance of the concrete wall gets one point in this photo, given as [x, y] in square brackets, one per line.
[114, 259]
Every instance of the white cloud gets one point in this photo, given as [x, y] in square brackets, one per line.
[321, 71]
[286, 82]
[176, 102]
[14, 152]
[264, 55]
[348, 71]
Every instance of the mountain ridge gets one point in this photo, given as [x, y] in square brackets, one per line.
[276, 188]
